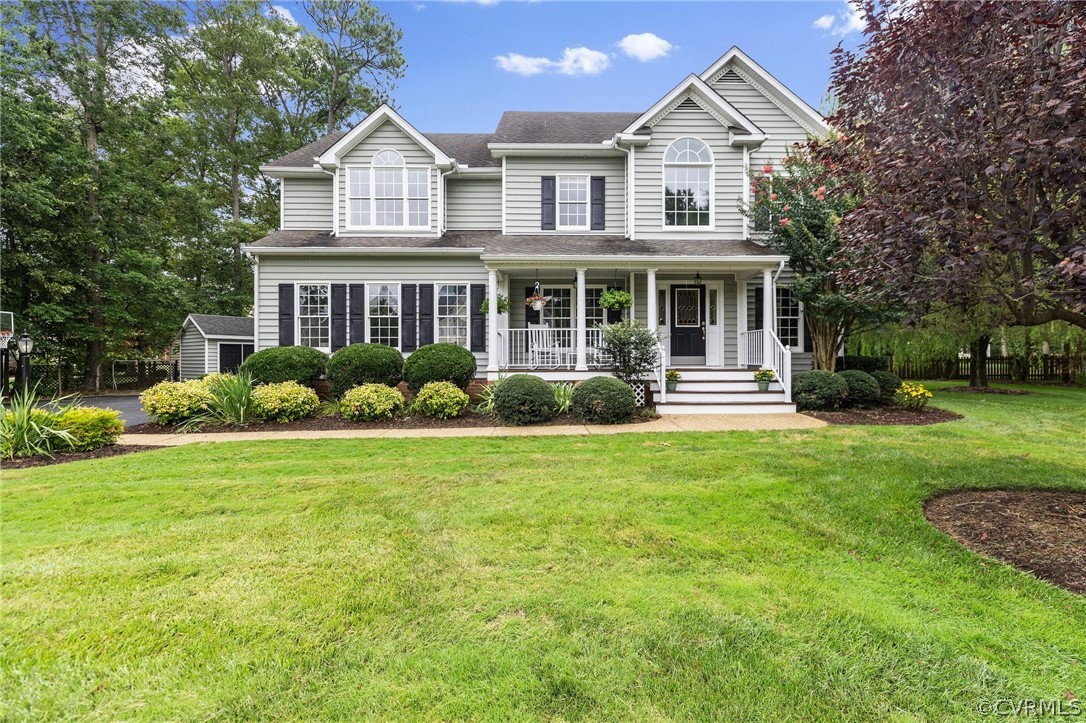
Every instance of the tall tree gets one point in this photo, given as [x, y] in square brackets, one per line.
[964, 126]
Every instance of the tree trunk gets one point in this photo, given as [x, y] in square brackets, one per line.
[978, 362]
[826, 339]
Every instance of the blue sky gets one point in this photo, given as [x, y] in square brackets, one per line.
[469, 61]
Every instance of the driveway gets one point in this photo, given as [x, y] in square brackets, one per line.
[129, 407]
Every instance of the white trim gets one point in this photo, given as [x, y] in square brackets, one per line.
[741, 311]
[503, 197]
[706, 94]
[631, 205]
[580, 150]
[256, 303]
[291, 171]
[376, 250]
[399, 312]
[332, 156]
[711, 227]
[282, 205]
[751, 262]
[298, 318]
[405, 169]
[207, 361]
[335, 203]
[587, 204]
[437, 315]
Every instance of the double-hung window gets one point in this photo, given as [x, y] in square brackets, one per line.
[452, 314]
[388, 194]
[384, 314]
[573, 203]
[314, 317]
[788, 313]
[594, 314]
[558, 313]
[688, 176]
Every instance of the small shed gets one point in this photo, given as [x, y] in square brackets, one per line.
[210, 343]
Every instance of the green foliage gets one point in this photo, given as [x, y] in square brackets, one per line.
[503, 305]
[912, 396]
[603, 400]
[673, 375]
[633, 350]
[284, 402]
[616, 299]
[563, 396]
[230, 401]
[1080, 379]
[863, 390]
[863, 363]
[90, 427]
[486, 396]
[370, 402]
[764, 375]
[26, 430]
[524, 399]
[442, 400]
[439, 363]
[888, 383]
[364, 364]
[277, 364]
[819, 389]
[175, 402]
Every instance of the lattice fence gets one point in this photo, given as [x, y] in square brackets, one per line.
[136, 374]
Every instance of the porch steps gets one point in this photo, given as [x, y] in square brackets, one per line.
[721, 391]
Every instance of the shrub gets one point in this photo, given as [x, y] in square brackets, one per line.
[173, 402]
[563, 397]
[819, 389]
[862, 363]
[29, 431]
[603, 400]
[284, 402]
[230, 401]
[368, 402]
[913, 397]
[90, 427]
[524, 399]
[363, 364]
[278, 364]
[632, 348]
[439, 363]
[443, 400]
[863, 390]
[888, 383]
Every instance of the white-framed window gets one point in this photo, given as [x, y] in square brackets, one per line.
[388, 194]
[572, 203]
[315, 316]
[594, 314]
[789, 330]
[688, 183]
[558, 313]
[452, 314]
[383, 315]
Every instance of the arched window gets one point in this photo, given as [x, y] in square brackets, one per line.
[388, 194]
[688, 181]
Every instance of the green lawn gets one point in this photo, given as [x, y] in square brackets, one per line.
[775, 575]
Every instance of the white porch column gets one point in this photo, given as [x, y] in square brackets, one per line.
[769, 311]
[741, 320]
[650, 299]
[582, 321]
[494, 343]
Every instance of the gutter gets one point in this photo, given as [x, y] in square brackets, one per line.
[363, 250]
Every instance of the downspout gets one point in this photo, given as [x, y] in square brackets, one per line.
[626, 200]
[335, 201]
[445, 199]
[777, 275]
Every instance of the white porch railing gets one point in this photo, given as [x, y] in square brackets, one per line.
[752, 352]
[661, 371]
[547, 348]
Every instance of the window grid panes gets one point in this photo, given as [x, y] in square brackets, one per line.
[314, 317]
[688, 150]
[594, 314]
[787, 318]
[687, 307]
[686, 195]
[572, 202]
[384, 314]
[452, 314]
[358, 197]
[558, 313]
[388, 194]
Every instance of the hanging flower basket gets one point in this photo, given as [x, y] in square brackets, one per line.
[616, 300]
[537, 301]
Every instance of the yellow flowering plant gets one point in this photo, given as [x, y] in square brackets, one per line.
[913, 397]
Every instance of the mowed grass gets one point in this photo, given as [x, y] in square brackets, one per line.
[739, 576]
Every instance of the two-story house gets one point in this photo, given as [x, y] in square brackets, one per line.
[395, 236]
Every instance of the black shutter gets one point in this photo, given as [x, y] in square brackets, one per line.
[531, 316]
[547, 202]
[758, 315]
[339, 316]
[808, 345]
[426, 314]
[476, 295]
[358, 313]
[598, 206]
[286, 314]
[408, 318]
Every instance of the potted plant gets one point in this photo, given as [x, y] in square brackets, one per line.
[503, 305]
[537, 301]
[616, 300]
[764, 377]
[671, 379]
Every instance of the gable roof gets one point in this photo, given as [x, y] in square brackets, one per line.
[213, 325]
[694, 87]
[518, 126]
[374, 120]
[468, 149]
[764, 82]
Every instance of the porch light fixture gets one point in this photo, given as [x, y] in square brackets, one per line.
[697, 277]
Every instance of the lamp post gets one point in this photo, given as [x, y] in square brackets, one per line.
[26, 346]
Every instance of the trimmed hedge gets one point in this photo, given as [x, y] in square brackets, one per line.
[863, 390]
[90, 427]
[819, 389]
[439, 363]
[370, 402]
[603, 400]
[888, 383]
[359, 364]
[279, 364]
[284, 402]
[173, 402]
[524, 399]
[862, 363]
[442, 400]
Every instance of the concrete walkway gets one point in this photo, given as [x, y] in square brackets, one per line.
[669, 423]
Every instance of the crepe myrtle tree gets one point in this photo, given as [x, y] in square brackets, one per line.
[800, 212]
[962, 125]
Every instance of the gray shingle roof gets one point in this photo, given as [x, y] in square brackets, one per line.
[467, 148]
[494, 243]
[560, 127]
[303, 157]
[213, 325]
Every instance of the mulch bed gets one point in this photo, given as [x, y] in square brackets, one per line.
[1042, 533]
[321, 424]
[886, 416]
[115, 450]
[986, 390]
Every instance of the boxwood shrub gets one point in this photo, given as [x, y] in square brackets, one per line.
[443, 400]
[863, 390]
[439, 363]
[359, 364]
[284, 402]
[819, 389]
[524, 399]
[603, 400]
[888, 383]
[369, 402]
[278, 364]
[90, 427]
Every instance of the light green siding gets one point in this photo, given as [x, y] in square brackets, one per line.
[307, 203]
[782, 129]
[473, 203]
[523, 211]
[192, 353]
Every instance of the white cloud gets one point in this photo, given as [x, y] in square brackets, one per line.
[645, 46]
[848, 20]
[574, 61]
[284, 14]
[824, 23]
[522, 64]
